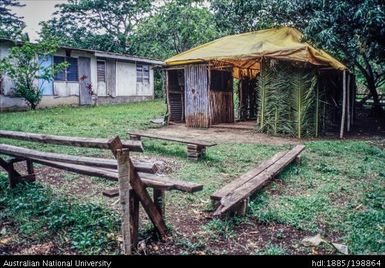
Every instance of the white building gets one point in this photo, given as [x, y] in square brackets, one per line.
[114, 78]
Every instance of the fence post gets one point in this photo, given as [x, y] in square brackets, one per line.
[122, 156]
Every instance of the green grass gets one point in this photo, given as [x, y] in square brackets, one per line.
[337, 190]
[39, 214]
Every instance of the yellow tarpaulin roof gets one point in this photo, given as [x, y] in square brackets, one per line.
[244, 51]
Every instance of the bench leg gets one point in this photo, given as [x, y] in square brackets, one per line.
[195, 152]
[159, 201]
[242, 209]
[134, 218]
[298, 159]
[135, 137]
[13, 176]
[31, 170]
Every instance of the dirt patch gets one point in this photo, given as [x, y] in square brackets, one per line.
[221, 135]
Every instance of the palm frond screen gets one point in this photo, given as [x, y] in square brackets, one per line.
[290, 101]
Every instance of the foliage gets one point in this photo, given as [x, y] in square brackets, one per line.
[288, 100]
[96, 24]
[232, 16]
[173, 28]
[24, 65]
[41, 214]
[10, 24]
[353, 31]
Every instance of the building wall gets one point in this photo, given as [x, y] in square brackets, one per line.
[125, 79]
[67, 92]
[65, 88]
[6, 83]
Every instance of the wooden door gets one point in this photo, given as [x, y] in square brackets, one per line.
[85, 72]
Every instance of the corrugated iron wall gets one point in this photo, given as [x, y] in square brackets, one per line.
[197, 97]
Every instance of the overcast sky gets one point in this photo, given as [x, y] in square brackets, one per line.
[34, 12]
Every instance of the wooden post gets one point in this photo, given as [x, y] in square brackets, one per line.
[140, 190]
[343, 104]
[134, 218]
[354, 89]
[135, 137]
[159, 201]
[348, 93]
[31, 170]
[122, 156]
[242, 209]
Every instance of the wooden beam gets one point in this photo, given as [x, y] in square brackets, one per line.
[77, 160]
[99, 143]
[348, 99]
[343, 104]
[161, 137]
[222, 192]
[110, 174]
[232, 199]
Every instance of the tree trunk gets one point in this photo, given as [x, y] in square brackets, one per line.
[376, 108]
[371, 84]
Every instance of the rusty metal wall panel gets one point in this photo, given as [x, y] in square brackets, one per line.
[196, 96]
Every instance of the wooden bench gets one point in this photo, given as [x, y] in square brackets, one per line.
[234, 196]
[195, 149]
[134, 176]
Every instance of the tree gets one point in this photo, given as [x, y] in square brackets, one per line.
[96, 24]
[353, 31]
[24, 65]
[173, 28]
[239, 16]
[10, 24]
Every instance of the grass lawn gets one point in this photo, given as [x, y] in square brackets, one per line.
[337, 191]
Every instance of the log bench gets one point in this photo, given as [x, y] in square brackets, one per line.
[195, 149]
[234, 197]
[133, 176]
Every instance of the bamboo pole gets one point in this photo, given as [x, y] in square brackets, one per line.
[343, 104]
[348, 99]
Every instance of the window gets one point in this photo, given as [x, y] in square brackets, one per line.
[101, 71]
[72, 70]
[60, 76]
[146, 74]
[142, 73]
[70, 73]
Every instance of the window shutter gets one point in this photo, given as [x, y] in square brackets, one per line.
[139, 73]
[101, 71]
[146, 74]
